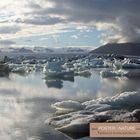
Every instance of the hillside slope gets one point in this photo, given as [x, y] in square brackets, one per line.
[120, 49]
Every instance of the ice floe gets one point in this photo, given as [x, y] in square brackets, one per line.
[68, 105]
[120, 73]
[122, 107]
[111, 73]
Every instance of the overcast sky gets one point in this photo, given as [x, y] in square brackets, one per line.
[63, 23]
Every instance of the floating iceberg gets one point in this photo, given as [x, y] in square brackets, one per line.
[123, 100]
[68, 105]
[111, 73]
[123, 107]
[126, 64]
[117, 64]
[69, 66]
[20, 68]
[84, 73]
[108, 63]
[120, 73]
[96, 62]
[54, 69]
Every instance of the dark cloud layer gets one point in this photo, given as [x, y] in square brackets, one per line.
[42, 20]
[122, 13]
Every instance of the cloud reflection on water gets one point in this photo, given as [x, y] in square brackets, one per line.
[25, 102]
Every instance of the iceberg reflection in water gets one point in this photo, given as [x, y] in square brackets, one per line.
[54, 83]
[27, 100]
[57, 82]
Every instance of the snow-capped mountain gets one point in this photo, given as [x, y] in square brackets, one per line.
[44, 50]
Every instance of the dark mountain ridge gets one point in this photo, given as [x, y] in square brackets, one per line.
[132, 49]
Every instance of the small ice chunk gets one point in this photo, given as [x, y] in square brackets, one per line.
[109, 73]
[87, 103]
[68, 105]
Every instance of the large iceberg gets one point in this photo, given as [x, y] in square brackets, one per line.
[120, 73]
[111, 73]
[122, 107]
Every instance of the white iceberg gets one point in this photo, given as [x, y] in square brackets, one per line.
[111, 73]
[126, 64]
[68, 105]
[122, 107]
[55, 70]
[123, 99]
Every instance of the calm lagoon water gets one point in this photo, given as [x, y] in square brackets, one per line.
[25, 101]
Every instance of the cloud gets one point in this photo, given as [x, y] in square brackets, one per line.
[74, 36]
[42, 20]
[9, 29]
[120, 17]
[121, 14]
[105, 38]
[6, 42]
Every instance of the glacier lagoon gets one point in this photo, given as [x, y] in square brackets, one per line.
[26, 101]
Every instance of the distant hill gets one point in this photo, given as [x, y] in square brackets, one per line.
[40, 50]
[22, 50]
[119, 48]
